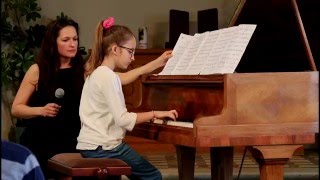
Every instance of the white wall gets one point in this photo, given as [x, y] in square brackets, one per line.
[151, 13]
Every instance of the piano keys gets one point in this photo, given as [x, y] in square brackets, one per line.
[167, 122]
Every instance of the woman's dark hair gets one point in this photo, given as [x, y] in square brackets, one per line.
[48, 58]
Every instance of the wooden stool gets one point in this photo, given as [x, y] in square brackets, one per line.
[69, 165]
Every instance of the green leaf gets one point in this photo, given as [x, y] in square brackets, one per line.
[20, 43]
[19, 64]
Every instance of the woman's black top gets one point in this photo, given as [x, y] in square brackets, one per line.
[57, 134]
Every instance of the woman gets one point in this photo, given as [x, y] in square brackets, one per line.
[52, 124]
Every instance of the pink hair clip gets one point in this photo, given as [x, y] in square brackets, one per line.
[108, 23]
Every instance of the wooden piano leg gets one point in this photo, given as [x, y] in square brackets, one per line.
[221, 163]
[272, 159]
[186, 159]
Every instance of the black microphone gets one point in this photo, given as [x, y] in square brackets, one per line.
[59, 95]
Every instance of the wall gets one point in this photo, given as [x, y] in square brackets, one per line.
[134, 14]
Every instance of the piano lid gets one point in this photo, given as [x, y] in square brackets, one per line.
[279, 43]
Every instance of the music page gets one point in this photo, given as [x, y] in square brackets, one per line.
[239, 44]
[186, 59]
[214, 52]
[216, 60]
[200, 59]
[182, 43]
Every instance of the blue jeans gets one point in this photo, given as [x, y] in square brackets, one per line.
[141, 168]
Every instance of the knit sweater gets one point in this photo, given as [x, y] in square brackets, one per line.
[103, 113]
[18, 163]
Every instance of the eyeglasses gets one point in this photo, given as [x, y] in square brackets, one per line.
[130, 50]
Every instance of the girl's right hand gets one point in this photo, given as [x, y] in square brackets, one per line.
[172, 114]
[162, 60]
[50, 110]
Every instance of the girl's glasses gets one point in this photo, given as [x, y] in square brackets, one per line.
[130, 50]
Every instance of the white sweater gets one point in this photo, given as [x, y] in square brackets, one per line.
[103, 113]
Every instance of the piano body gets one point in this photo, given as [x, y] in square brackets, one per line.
[271, 105]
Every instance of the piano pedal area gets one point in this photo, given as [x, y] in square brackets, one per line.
[304, 164]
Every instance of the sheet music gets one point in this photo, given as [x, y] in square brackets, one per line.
[182, 43]
[201, 57]
[215, 61]
[212, 52]
[185, 60]
[235, 51]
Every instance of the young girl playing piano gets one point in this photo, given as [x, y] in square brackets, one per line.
[103, 113]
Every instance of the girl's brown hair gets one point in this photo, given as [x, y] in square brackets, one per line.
[104, 38]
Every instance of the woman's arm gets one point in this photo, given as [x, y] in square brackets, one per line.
[27, 88]
[132, 75]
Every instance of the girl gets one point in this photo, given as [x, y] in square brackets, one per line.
[103, 114]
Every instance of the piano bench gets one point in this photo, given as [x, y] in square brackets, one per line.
[68, 165]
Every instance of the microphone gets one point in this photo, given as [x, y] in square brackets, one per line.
[59, 93]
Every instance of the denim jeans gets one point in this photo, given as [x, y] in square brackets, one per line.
[141, 168]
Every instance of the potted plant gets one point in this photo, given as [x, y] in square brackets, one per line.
[21, 37]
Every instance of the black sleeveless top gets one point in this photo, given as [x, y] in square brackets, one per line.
[65, 127]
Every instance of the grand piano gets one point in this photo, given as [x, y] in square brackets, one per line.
[270, 105]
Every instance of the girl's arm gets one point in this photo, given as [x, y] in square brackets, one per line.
[147, 116]
[132, 75]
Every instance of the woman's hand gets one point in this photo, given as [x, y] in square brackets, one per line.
[172, 114]
[50, 110]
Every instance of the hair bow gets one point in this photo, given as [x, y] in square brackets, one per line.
[108, 23]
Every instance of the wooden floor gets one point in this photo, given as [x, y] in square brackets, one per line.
[303, 165]
[145, 146]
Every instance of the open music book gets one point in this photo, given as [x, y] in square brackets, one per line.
[213, 52]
